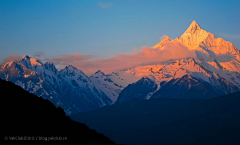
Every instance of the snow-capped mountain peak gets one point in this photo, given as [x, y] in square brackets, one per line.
[26, 57]
[194, 26]
[70, 67]
[193, 36]
[7, 64]
[99, 73]
[50, 66]
[160, 44]
[29, 61]
[166, 38]
[71, 70]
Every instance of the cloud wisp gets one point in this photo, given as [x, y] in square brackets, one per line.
[90, 64]
[162, 37]
[104, 5]
[39, 54]
[76, 60]
[12, 57]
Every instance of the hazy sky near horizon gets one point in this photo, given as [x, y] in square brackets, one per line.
[56, 28]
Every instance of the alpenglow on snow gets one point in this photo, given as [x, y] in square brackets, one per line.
[212, 70]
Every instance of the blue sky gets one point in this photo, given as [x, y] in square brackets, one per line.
[106, 28]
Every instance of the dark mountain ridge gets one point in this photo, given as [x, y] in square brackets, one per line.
[27, 115]
[185, 88]
[169, 121]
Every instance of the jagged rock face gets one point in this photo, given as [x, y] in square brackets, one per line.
[219, 46]
[138, 90]
[105, 84]
[69, 88]
[185, 87]
[224, 53]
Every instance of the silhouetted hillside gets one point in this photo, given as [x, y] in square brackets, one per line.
[169, 121]
[26, 115]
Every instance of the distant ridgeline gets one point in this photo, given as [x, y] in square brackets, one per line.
[28, 117]
[164, 121]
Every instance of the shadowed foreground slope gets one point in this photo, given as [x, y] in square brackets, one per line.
[169, 121]
[26, 115]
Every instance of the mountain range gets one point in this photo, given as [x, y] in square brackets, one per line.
[68, 88]
[212, 69]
